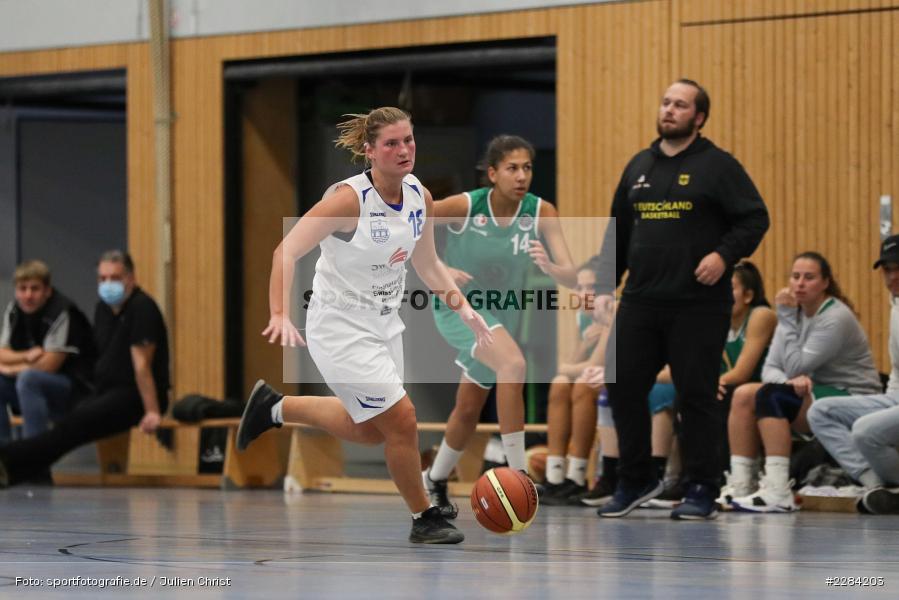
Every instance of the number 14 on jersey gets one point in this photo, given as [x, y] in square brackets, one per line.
[520, 243]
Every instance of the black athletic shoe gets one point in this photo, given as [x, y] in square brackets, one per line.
[439, 497]
[549, 489]
[882, 501]
[257, 414]
[699, 504]
[600, 494]
[562, 494]
[627, 499]
[433, 528]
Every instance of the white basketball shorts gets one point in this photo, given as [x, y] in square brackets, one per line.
[360, 356]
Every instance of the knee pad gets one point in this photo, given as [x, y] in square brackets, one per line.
[777, 400]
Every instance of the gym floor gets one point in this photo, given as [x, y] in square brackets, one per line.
[265, 544]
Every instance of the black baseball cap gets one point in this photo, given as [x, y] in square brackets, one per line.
[889, 251]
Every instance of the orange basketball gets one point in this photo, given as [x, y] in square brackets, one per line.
[504, 500]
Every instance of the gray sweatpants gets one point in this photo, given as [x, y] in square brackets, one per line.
[860, 432]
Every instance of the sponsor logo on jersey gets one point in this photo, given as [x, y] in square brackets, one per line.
[372, 401]
[479, 220]
[398, 257]
[380, 232]
[683, 179]
[641, 183]
[385, 310]
[377, 214]
[525, 222]
[380, 267]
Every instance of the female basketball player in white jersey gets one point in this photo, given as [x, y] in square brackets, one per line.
[367, 227]
[493, 244]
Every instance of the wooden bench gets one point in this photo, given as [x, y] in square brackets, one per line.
[298, 456]
[134, 458]
[316, 461]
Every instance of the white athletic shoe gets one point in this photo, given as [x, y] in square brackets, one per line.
[768, 499]
[733, 488]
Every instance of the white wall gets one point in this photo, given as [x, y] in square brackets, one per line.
[34, 24]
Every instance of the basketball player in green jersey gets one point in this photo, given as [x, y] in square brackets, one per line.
[493, 241]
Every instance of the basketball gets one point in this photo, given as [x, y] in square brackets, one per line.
[504, 500]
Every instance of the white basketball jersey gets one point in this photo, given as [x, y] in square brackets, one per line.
[369, 270]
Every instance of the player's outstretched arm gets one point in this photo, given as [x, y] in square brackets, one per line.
[336, 211]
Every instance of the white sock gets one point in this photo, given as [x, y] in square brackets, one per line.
[278, 411]
[444, 462]
[555, 469]
[577, 470]
[742, 469]
[870, 479]
[513, 446]
[777, 471]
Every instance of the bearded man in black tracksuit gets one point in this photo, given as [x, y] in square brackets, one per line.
[685, 212]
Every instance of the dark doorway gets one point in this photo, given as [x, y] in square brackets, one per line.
[63, 179]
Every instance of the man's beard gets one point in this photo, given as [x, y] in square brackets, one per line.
[678, 133]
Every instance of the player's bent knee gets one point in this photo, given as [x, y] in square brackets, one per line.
[513, 369]
[744, 398]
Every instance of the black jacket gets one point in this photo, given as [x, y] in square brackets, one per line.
[59, 326]
[671, 212]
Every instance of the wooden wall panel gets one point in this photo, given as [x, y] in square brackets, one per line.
[812, 124]
[198, 207]
[269, 192]
[703, 11]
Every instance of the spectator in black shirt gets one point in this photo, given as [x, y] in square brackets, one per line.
[46, 352]
[132, 376]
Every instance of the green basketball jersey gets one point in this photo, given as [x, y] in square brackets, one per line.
[496, 257]
[734, 346]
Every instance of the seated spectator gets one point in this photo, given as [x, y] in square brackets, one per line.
[46, 352]
[862, 432]
[132, 376]
[571, 415]
[819, 349]
[605, 485]
[752, 324]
